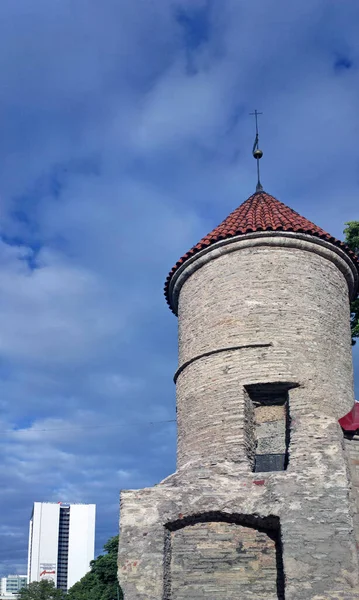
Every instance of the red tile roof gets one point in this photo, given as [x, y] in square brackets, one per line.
[261, 212]
[350, 421]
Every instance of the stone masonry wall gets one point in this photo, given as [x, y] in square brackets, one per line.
[283, 315]
[260, 315]
[312, 510]
[220, 560]
[270, 433]
[352, 454]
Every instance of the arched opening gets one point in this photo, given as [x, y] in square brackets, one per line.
[216, 555]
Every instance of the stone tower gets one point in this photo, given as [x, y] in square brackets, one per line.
[262, 505]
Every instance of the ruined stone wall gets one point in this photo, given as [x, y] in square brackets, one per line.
[259, 315]
[311, 508]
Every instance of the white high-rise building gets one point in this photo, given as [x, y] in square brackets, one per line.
[61, 542]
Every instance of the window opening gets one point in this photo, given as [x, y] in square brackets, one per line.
[269, 437]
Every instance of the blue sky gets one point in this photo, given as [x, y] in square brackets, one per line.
[124, 138]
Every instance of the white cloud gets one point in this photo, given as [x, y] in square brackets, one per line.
[122, 144]
[53, 313]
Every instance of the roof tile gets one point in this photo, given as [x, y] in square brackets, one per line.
[261, 212]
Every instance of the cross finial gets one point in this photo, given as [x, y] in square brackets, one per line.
[257, 153]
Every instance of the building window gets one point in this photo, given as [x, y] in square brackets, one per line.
[268, 419]
[63, 545]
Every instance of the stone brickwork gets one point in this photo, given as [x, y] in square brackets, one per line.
[291, 299]
[271, 425]
[338, 596]
[223, 560]
[352, 454]
[263, 310]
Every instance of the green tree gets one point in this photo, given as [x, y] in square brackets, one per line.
[351, 233]
[101, 582]
[41, 590]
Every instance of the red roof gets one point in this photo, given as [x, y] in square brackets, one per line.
[350, 421]
[261, 212]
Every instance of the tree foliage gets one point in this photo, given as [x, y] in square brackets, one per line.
[101, 582]
[351, 233]
[41, 590]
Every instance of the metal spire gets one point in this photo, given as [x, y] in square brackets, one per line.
[257, 153]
